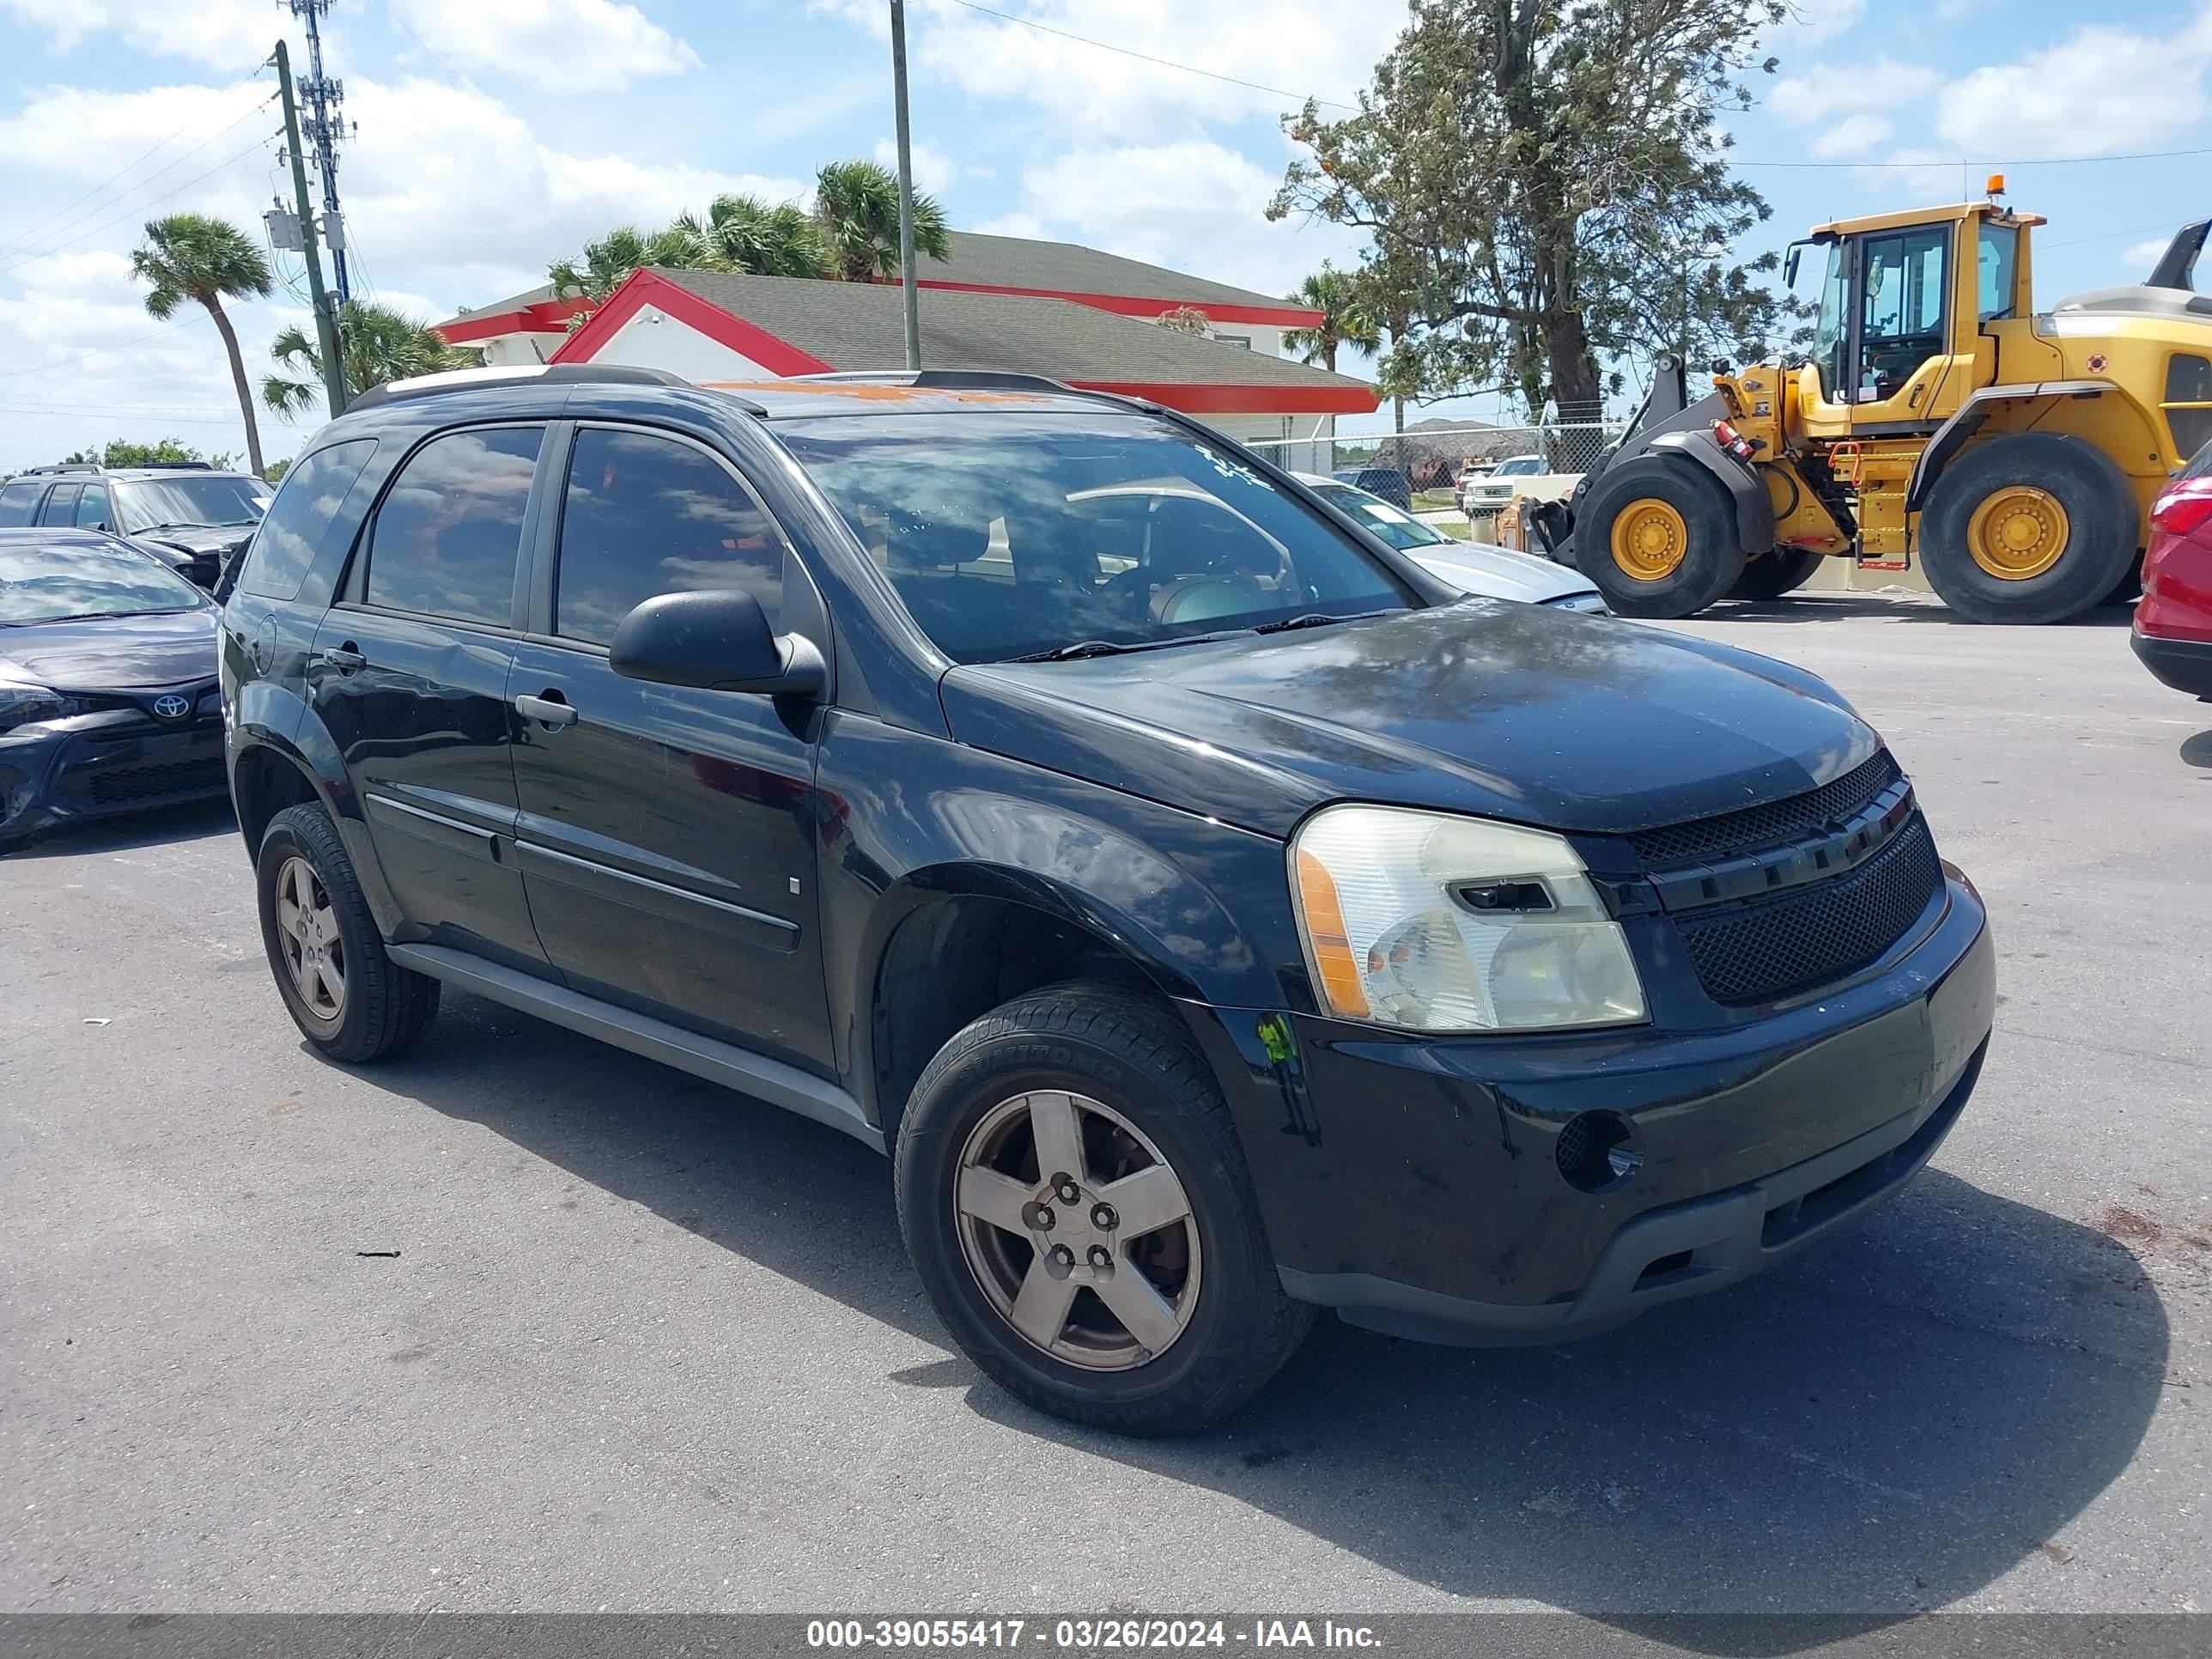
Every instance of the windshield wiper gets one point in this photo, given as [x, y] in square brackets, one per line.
[175, 524]
[1311, 619]
[1072, 653]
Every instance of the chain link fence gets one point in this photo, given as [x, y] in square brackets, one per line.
[1431, 456]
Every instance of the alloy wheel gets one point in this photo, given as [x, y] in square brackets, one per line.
[1077, 1230]
[307, 934]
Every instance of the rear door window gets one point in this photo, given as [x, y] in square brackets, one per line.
[61, 505]
[646, 514]
[448, 536]
[313, 491]
[18, 501]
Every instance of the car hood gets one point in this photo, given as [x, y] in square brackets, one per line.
[200, 538]
[1499, 572]
[1508, 711]
[165, 649]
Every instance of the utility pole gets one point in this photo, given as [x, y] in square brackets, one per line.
[906, 189]
[326, 321]
[324, 127]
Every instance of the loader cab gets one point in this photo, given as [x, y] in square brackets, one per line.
[1906, 305]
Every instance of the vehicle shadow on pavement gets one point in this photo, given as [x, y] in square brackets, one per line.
[1887, 1423]
[2197, 750]
[1877, 607]
[121, 834]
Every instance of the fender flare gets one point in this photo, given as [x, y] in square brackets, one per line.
[1746, 490]
[307, 749]
[1954, 433]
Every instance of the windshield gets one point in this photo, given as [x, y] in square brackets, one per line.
[1009, 536]
[46, 582]
[1378, 517]
[213, 499]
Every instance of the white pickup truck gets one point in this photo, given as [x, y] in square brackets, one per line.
[1516, 474]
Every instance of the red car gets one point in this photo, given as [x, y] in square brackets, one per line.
[2174, 623]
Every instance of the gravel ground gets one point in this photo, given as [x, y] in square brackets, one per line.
[525, 1323]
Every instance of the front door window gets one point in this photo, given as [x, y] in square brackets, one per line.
[1901, 317]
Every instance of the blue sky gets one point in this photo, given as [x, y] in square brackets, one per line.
[496, 135]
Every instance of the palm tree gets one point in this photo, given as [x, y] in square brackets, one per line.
[744, 234]
[1346, 317]
[189, 255]
[857, 203]
[376, 344]
[609, 260]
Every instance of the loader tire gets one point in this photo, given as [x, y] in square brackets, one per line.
[1658, 537]
[2029, 528]
[1778, 571]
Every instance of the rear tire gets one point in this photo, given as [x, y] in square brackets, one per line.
[1658, 539]
[1778, 571]
[2029, 528]
[348, 998]
[1140, 1096]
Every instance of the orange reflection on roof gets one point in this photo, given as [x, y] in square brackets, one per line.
[866, 393]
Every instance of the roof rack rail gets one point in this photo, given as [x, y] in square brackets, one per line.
[470, 380]
[952, 380]
[166, 466]
[64, 466]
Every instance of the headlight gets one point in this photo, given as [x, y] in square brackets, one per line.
[1434, 923]
[23, 705]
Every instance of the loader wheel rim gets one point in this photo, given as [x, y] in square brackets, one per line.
[1649, 538]
[2018, 533]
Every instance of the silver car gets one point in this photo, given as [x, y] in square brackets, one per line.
[1499, 573]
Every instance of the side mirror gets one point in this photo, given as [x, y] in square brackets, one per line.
[719, 641]
[1789, 265]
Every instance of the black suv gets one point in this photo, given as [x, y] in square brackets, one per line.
[187, 513]
[1215, 917]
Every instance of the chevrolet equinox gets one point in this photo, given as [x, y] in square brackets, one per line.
[1215, 917]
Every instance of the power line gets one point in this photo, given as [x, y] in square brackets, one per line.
[1147, 56]
[78, 217]
[16, 373]
[132, 213]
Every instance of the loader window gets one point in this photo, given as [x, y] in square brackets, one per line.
[1901, 321]
[1998, 252]
[1831, 332]
[2189, 402]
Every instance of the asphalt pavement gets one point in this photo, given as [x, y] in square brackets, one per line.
[522, 1322]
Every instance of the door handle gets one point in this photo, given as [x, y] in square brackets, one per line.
[552, 710]
[345, 657]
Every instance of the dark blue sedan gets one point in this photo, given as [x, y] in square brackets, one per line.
[108, 701]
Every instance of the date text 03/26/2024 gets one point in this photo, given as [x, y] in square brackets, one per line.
[1085, 1635]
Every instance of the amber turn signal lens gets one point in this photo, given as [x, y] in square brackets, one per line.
[1332, 947]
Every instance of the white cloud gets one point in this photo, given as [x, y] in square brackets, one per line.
[2142, 255]
[1813, 22]
[1324, 48]
[562, 46]
[231, 34]
[1193, 205]
[933, 171]
[1838, 105]
[2100, 91]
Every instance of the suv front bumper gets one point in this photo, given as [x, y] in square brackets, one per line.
[1413, 1184]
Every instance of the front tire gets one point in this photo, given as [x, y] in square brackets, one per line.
[348, 998]
[1075, 1200]
[2029, 528]
[1658, 539]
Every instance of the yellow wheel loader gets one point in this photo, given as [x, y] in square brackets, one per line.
[2014, 455]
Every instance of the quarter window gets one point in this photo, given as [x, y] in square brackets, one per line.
[2189, 402]
[646, 515]
[313, 491]
[449, 534]
[18, 503]
[1999, 249]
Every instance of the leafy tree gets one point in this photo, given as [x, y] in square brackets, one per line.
[122, 452]
[376, 343]
[1347, 317]
[857, 205]
[189, 255]
[275, 470]
[1546, 182]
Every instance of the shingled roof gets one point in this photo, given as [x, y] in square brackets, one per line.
[861, 326]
